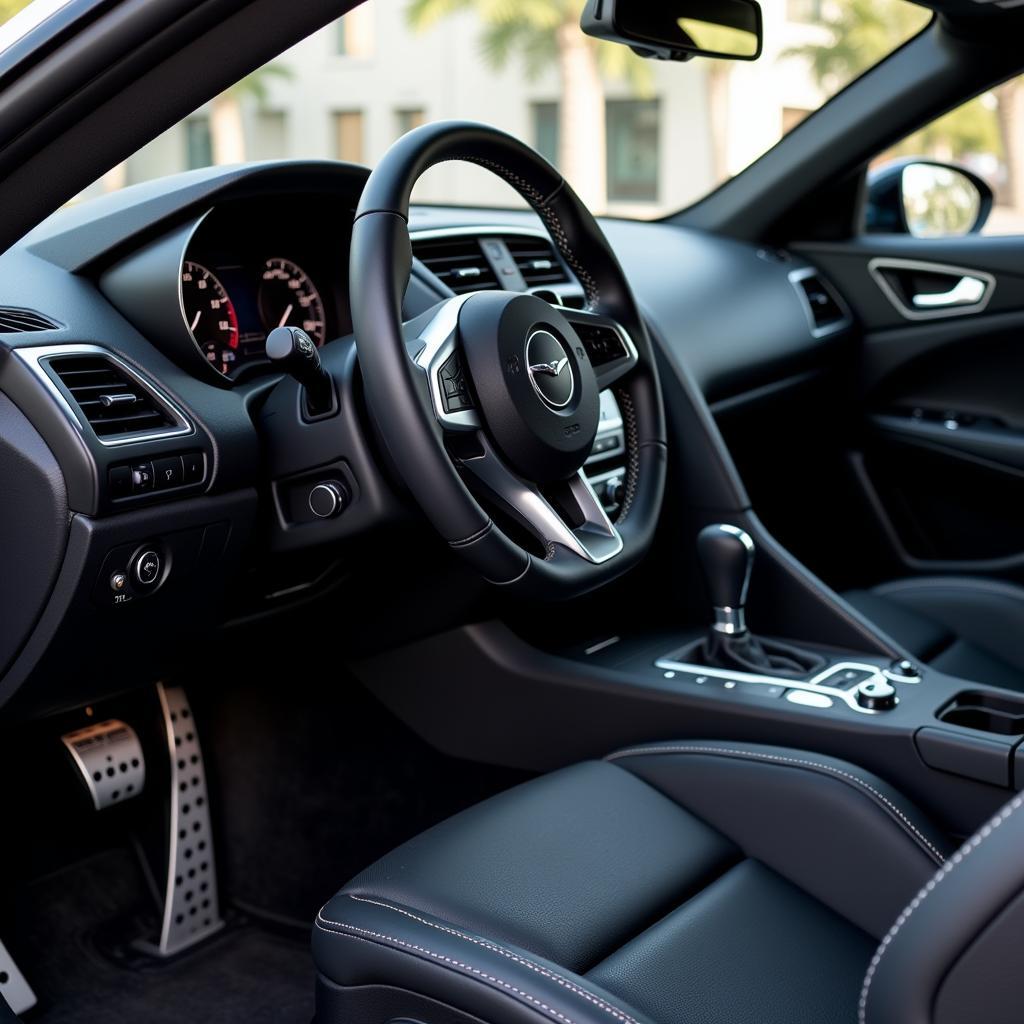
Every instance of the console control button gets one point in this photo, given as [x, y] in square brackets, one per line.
[194, 466]
[847, 678]
[168, 472]
[808, 699]
[142, 477]
[146, 568]
[876, 695]
[326, 500]
[118, 582]
[767, 690]
[904, 671]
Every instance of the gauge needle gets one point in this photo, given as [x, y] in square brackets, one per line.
[196, 321]
[287, 313]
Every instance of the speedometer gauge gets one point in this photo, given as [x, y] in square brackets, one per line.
[288, 298]
[210, 315]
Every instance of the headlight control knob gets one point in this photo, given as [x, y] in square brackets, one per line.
[326, 500]
[876, 695]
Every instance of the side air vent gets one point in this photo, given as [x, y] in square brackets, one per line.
[22, 321]
[824, 308]
[113, 401]
[536, 259]
[459, 262]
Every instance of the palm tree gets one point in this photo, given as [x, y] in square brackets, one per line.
[227, 130]
[543, 32]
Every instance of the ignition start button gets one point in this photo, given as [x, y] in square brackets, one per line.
[147, 568]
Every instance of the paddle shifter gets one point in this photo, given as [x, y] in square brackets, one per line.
[727, 556]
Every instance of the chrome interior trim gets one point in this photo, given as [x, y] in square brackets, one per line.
[16, 991]
[817, 684]
[438, 339]
[801, 274]
[35, 357]
[595, 541]
[877, 266]
[730, 621]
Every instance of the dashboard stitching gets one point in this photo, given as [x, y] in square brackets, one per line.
[633, 447]
[817, 766]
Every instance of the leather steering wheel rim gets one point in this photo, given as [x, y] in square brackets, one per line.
[396, 389]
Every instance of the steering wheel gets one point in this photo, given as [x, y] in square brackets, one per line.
[496, 394]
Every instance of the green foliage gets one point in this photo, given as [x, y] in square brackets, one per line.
[256, 84]
[9, 8]
[530, 29]
[971, 128]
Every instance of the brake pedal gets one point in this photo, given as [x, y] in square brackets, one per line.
[109, 757]
[13, 986]
[191, 907]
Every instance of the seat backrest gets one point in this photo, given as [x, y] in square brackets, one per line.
[956, 953]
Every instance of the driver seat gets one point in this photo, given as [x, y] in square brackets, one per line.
[683, 883]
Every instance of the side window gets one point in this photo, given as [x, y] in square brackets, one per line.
[962, 173]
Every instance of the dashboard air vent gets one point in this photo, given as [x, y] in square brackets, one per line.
[22, 321]
[823, 306]
[536, 259]
[112, 401]
[459, 262]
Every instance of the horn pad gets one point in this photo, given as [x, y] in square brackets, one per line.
[537, 391]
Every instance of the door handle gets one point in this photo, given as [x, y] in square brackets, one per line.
[968, 291]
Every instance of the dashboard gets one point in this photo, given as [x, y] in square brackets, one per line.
[139, 416]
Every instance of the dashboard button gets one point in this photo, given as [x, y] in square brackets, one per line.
[120, 481]
[142, 477]
[195, 467]
[326, 500]
[146, 568]
[168, 472]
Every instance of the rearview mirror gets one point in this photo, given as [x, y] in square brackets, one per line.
[926, 199]
[678, 29]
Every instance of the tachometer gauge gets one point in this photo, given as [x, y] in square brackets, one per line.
[288, 298]
[210, 315]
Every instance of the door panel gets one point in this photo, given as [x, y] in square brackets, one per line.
[940, 458]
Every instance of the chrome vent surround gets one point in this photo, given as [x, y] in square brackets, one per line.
[536, 259]
[101, 392]
[458, 261]
[826, 311]
[24, 321]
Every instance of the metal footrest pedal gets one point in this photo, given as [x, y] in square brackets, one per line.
[109, 757]
[13, 986]
[191, 908]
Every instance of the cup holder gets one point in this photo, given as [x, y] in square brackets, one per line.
[986, 712]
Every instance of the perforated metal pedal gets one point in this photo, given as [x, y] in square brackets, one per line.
[109, 757]
[13, 986]
[191, 907]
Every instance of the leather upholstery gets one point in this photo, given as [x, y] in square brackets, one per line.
[967, 627]
[702, 882]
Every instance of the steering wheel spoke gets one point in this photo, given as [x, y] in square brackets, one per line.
[568, 515]
[609, 347]
[442, 362]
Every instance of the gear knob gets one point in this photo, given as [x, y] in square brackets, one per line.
[727, 556]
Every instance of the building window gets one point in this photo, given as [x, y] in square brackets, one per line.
[545, 131]
[633, 128]
[804, 12]
[408, 118]
[198, 143]
[353, 34]
[348, 135]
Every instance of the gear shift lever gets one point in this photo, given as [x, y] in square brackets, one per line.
[727, 555]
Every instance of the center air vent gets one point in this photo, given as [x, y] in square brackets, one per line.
[536, 259]
[113, 401]
[823, 306]
[459, 262]
[21, 321]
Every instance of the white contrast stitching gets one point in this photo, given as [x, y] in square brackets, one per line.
[816, 765]
[508, 954]
[501, 951]
[958, 858]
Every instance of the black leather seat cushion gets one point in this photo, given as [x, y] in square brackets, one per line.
[704, 883]
[964, 626]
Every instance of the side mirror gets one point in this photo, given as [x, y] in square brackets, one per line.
[678, 29]
[926, 199]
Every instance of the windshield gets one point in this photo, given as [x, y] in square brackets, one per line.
[635, 138]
